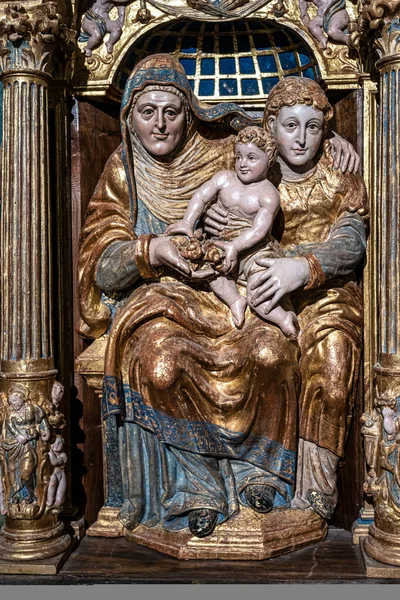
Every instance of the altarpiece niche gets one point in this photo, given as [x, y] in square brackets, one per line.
[229, 423]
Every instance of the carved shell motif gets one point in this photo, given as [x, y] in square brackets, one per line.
[213, 6]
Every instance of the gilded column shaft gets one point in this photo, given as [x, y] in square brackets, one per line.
[389, 208]
[26, 316]
[32, 456]
[388, 234]
[381, 425]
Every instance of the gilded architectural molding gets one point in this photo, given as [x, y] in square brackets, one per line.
[95, 75]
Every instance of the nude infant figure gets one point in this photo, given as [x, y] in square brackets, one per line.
[252, 202]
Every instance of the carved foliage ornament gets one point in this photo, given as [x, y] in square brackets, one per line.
[28, 36]
[382, 17]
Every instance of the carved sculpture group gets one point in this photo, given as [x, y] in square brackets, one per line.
[210, 411]
[32, 477]
[216, 418]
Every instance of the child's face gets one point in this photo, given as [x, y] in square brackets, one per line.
[251, 163]
[58, 445]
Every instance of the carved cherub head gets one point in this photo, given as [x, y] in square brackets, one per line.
[58, 444]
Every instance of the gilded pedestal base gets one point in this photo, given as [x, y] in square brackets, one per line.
[383, 547]
[47, 566]
[107, 524]
[360, 528]
[247, 536]
[375, 568]
[27, 542]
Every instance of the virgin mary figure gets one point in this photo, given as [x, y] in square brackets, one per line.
[207, 413]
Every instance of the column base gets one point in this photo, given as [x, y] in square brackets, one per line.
[247, 536]
[360, 527]
[30, 543]
[46, 566]
[382, 547]
[107, 524]
[377, 569]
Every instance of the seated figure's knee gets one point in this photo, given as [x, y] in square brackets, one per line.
[337, 367]
[159, 365]
[272, 350]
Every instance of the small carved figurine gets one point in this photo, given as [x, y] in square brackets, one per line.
[96, 23]
[23, 425]
[58, 481]
[252, 203]
[391, 424]
[330, 22]
[56, 419]
[382, 427]
[372, 432]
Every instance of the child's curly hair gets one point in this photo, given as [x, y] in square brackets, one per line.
[260, 138]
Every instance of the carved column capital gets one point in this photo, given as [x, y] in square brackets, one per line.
[380, 19]
[31, 35]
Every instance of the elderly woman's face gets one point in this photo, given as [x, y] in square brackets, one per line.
[159, 120]
[298, 132]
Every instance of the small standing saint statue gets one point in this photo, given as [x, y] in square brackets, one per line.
[24, 423]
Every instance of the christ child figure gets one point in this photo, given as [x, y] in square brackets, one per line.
[252, 202]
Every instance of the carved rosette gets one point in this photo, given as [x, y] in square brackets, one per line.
[31, 43]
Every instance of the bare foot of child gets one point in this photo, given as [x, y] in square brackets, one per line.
[238, 309]
[290, 326]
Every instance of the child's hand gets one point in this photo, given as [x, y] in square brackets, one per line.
[231, 258]
[181, 227]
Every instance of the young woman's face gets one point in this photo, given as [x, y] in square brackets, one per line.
[159, 120]
[298, 132]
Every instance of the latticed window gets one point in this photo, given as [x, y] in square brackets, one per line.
[240, 60]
